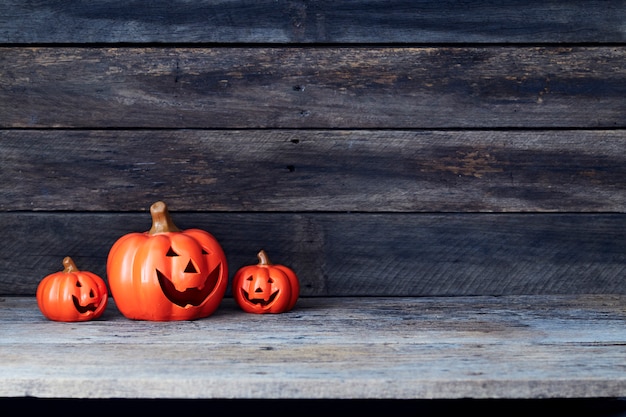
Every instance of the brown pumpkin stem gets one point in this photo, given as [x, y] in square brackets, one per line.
[161, 220]
[69, 265]
[263, 258]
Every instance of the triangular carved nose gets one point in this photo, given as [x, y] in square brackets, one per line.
[190, 268]
[259, 290]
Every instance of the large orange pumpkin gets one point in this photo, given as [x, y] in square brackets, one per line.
[72, 295]
[167, 274]
[265, 287]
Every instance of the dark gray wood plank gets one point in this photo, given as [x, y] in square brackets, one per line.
[364, 87]
[356, 348]
[354, 254]
[311, 170]
[287, 21]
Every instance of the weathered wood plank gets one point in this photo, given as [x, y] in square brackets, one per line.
[403, 348]
[354, 254]
[277, 170]
[313, 87]
[287, 21]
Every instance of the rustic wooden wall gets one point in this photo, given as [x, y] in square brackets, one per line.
[378, 148]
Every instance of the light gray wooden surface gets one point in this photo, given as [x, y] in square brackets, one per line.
[447, 347]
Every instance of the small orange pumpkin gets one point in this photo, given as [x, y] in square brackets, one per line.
[167, 274]
[72, 295]
[265, 287]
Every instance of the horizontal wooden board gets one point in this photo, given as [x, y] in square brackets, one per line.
[287, 21]
[339, 87]
[311, 170]
[354, 254]
[354, 348]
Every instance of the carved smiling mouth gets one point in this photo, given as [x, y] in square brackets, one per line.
[190, 296]
[260, 300]
[84, 309]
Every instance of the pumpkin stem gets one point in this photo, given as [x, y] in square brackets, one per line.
[69, 265]
[161, 220]
[263, 258]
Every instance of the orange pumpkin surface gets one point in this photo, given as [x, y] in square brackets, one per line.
[167, 274]
[265, 287]
[72, 295]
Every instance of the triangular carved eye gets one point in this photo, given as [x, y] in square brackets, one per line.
[171, 253]
[204, 252]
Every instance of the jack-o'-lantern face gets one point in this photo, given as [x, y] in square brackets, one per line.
[87, 297]
[167, 274]
[261, 288]
[187, 277]
[265, 287]
[72, 295]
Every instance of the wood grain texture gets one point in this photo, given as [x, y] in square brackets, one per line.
[402, 348]
[330, 87]
[354, 254]
[310, 170]
[447, 179]
[302, 21]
